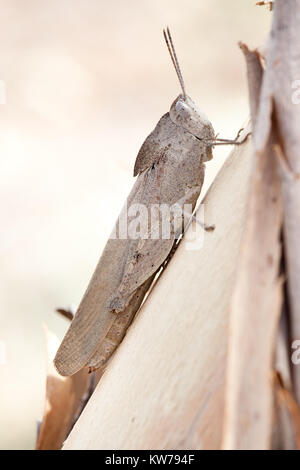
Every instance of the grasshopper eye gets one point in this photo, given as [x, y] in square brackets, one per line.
[181, 111]
[181, 107]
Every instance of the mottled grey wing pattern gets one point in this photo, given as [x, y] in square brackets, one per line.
[94, 319]
[156, 145]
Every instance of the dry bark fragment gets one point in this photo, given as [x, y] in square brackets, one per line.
[256, 302]
[279, 97]
[65, 397]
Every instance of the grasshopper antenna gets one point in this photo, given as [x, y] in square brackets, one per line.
[171, 48]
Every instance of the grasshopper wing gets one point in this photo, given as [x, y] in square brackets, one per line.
[93, 319]
[121, 278]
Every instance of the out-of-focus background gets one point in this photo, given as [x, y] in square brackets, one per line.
[84, 82]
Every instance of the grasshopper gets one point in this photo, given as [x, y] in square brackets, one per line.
[169, 167]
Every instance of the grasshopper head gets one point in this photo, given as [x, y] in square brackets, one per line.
[184, 112]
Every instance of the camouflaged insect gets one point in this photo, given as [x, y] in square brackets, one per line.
[169, 168]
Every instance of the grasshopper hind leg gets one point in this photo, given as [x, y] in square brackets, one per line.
[118, 329]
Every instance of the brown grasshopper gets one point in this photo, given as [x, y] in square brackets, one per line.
[169, 168]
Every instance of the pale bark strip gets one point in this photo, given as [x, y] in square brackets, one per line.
[283, 70]
[164, 388]
[256, 302]
[255, 77]
[256, 308]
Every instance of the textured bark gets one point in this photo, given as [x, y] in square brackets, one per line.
[280, 98]
[257, 296]
[256, 303]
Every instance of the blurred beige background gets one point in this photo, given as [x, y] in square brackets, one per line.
[86, 81]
